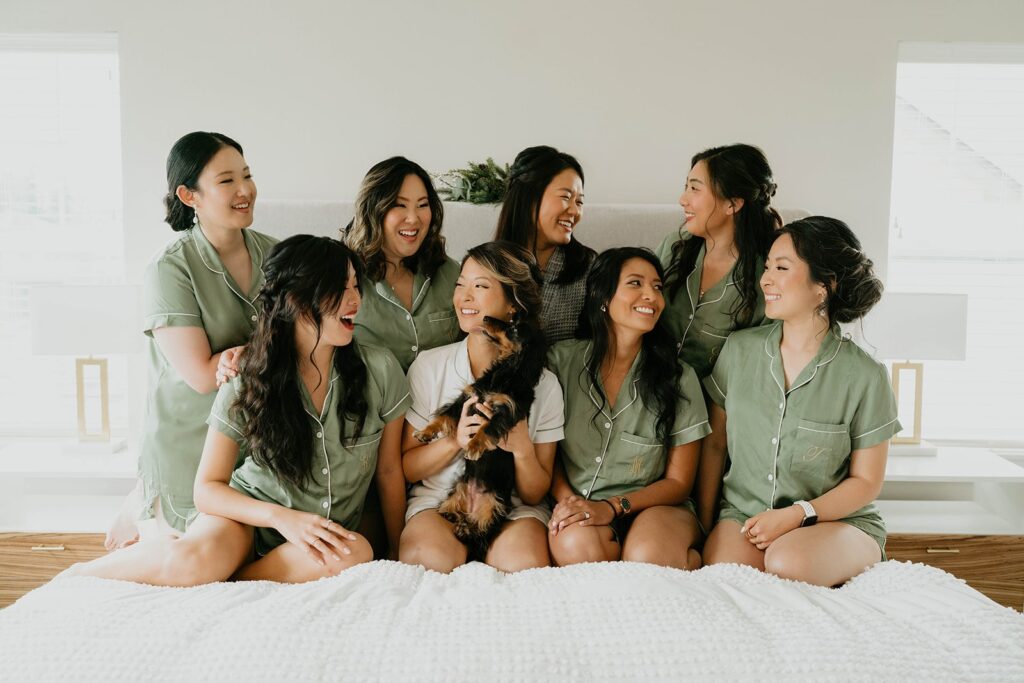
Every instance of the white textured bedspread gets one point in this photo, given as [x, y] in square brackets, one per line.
[618, 621]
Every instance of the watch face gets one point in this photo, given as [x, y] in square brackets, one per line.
[624, 502]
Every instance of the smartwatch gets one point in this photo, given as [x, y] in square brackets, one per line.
[810, 515]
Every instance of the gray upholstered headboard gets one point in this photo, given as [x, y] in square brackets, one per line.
[466, 225]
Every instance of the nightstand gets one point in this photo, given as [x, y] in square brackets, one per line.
[55, 507]
[962, 511]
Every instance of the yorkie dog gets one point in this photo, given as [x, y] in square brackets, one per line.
[482, 498]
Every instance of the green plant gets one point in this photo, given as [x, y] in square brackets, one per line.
[477, 183]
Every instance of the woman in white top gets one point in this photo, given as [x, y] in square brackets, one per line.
[500, 280]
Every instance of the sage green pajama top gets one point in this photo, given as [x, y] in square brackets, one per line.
[187, 285]
[786, 446]
[612, 451]
[343, 468]
[383, 320]
[701, 324]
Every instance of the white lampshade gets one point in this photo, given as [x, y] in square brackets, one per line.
[85, 320]
[906, 326]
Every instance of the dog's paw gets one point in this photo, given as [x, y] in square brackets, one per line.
[478, 445]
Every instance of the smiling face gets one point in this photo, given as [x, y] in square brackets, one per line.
[561, 208]
[789, 291]
[706, 214]
[478, 293]
[337, 326]
[225, 192]
[407, 222]
[638, 301]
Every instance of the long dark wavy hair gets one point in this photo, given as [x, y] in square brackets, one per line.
[306, 278]
[528, 177]
[657, 369]
[185, 162]
[735, 172]
[378, 194]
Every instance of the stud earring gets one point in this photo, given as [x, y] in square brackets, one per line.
[604, 309]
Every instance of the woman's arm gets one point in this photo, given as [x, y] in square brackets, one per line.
[861, 486]
[711, 467]
[671, 489]
[188, 351]
[390, 482]
[420, 460]
[560, 488]
[314, 534]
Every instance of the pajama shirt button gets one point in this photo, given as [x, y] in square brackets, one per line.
[597, 459]
[782, 405]
[325, 504]
[691, 316]
[253, 318]
[607, 425]
[586, 491]
[323, 471]
[319, 435]
[408, 317]
[771, 477]
[774, 440]
[414, 348]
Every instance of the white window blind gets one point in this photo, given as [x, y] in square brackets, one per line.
[958, 225]
[60, 211]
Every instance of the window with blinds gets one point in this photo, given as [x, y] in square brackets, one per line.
[60, 212]
[958, 225]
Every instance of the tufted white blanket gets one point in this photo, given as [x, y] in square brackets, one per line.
[617, 622]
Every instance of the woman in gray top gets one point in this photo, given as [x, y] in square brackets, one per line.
[543, 205]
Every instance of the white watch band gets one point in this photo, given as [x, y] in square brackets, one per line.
[808, 509]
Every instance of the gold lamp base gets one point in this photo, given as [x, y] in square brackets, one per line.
[84, 435]
[918, 370]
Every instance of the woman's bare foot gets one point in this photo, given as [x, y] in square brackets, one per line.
[123, 531]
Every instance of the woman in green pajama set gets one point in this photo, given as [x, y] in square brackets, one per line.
[634, 420]
[200, 307]
[407, 289]
[713, 263]
[293, 442]
[407, 296]
[805, 416]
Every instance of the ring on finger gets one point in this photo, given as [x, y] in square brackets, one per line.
[586, 515]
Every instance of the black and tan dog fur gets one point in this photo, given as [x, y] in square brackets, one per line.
[482, 498]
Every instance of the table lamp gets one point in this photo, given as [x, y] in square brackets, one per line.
[87, 321]
[904, 326]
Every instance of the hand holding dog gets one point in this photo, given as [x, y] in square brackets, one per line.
[469, 423]
[578, 510]
[517, 441]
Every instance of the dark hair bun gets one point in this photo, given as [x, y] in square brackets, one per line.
[835, 258]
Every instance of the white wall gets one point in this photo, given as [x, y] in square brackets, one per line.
[319, 91]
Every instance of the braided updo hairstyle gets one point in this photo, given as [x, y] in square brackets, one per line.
[530, 174]
[835, 259]
[186, 161]
[736, 172]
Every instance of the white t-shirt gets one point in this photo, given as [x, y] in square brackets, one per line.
[438, 376]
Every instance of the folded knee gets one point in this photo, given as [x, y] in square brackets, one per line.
[430, 556]
[572, 547]
[787, 564]
[361, 552]
[190, 564]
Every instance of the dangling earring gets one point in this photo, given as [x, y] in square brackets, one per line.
[195, 216]
[822, 309]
